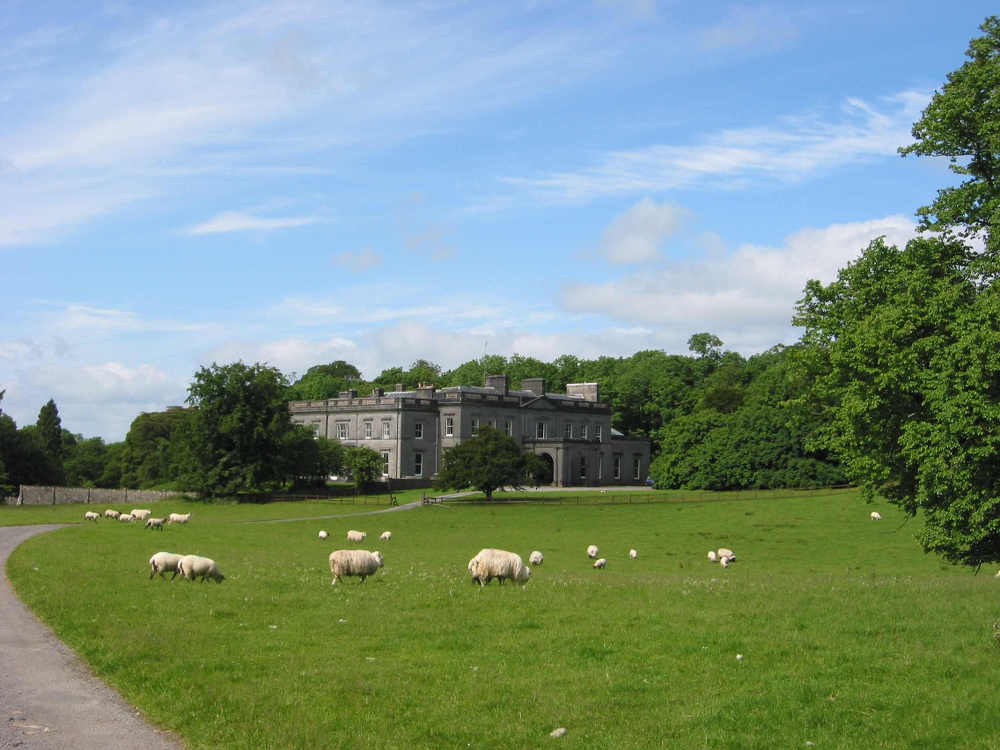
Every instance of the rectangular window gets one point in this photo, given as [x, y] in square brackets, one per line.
[508, 427]
[568, 431]
[385, 463]
[368, 430]
[418, 430]
[600, 466]
[342, 430]
[540, 430]
[618, 466]
[418, 464]
[583, 467]
[449, 426]
[386, 430]
[583, 432]
[597, 433]
[636, 465]
[475, 425]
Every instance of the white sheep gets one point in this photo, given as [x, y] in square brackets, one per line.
[126, 517]
[600, 563]
[536, 558]
[385, 536]
[356, 536]
[876, 516]
[194, 566]
[713, 556]
[633, 553]
[154, 523]
[162, 562]
[592, 551]
[723, 552]
[111, 513]
[322, 534]
[490, 563]
[724, 561]
[91, 516]
[178, 518]
[140, 514]
[354, 562]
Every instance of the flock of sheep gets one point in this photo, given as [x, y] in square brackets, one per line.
[138, 514]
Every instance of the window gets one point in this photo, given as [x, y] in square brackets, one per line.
[583, 467]
[540, 430]
[368, 430]
[583, 432]
[636, 465]
[475, 425]
[600, 466]
[508, 427]
[386, 428]
[568, 431]
[418, 431]
[449, 426]
[418, 464]
[618, 466]
[597, 433]
[342, 430]
[385, 463]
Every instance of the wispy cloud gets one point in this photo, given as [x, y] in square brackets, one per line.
[637, 235]
[234, 221]
[750, 28]
[359, 261]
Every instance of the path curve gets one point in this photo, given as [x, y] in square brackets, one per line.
[49, 698]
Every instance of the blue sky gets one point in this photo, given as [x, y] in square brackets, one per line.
[300, 182]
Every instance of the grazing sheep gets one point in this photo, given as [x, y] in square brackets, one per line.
[178, 518]
[385, 536]
[592, 551]
[140, 514]
[536, 558]
[162, 562]
[723, 552]
[492, 563]
[91, 516]
[354, 562]
[633, 553]
[600, 563]
[154, 523]
[876, 516]
[356, 536]
[111, 513]
[126, 517]
[193, 566]
[322, 534]
[713, 556]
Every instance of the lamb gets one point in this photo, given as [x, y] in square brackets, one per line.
[600, 563]
[322, 534]
[140, 514]
[178, 518]
[354, 562]
[492, 563]
[385, 536]
[356, 536]
[162, 562]
[126, 517]
[193, 566]
[633, 553]
[713, 556]
[724, 561]
[536, 558]
[592, 551]
[111, 513]
[91, 516]
[876, 516]
[723, 552]
[154, 523]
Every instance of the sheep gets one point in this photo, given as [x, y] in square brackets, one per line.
[140, 514]
[126, 517]
[162, 562]
[385, 536]
[633, 553]
[354, 562]
[492, 563]
[193, 566]
[154, 523]
[723, 552]
[178, 518]
[91, 516]
[111, 513]
[356, 536]
[876, 516]
[600, 563]
[713, 556]
[536, 558]
[592, 551]
[322, 534]
[724, 561]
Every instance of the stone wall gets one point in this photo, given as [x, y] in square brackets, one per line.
[36, 495]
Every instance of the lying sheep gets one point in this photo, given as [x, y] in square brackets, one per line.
[713, 556]
[354, 562]
[356, 536]
[154, 523]
[126, 517]
[876, 516]
[536, 558]
[322, 534]
[385, 536]
[91, 516]
[111, 513]
[600, 563]
[724, 561]
[178, 518]
[140, 514]
[492, 563]
[162, 562]
[633, 553]
[723, 552]
[592, 551]
[195, 566]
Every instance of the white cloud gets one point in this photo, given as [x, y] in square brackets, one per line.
[359, 261]
[293, 354]
[637, 235]
[234, 221]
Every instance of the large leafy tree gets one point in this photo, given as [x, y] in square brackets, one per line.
[50, 432]
[487, 462]
[153, 450]
[962, 123]
[363, 464]
[326, 381]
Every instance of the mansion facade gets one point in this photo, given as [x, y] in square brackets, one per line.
[411, 429]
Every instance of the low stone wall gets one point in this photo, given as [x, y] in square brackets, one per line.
[36, 495]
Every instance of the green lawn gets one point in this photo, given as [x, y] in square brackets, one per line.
[851, 637]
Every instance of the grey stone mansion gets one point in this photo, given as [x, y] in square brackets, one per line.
[410, 429]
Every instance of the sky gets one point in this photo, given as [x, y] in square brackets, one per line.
[294, 183]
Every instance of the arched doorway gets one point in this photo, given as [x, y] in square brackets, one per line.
[550, 468]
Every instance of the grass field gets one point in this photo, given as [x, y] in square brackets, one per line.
[851, 637]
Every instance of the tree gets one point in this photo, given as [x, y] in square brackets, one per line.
[325, 381]
[961, 123]
[153, 450]
[488, 461]
[363, 464]
[705, 345]
[51, 433]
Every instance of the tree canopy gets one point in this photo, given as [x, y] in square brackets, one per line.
[489, 461]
